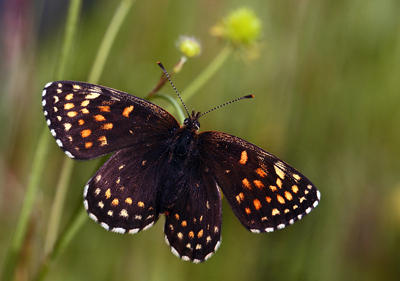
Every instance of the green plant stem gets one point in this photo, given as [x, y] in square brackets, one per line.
[29, 201]
[109, 39]
[39, 157]
[52, 251]
[207, 73]
[77, 221]
[174, 104]
[58, 205]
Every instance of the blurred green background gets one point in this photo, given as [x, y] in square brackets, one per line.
[327, 100]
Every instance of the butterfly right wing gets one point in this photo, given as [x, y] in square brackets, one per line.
[122, 195]
[88, 120]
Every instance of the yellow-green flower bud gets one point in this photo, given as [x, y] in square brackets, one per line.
[241, 27]
[189, 46]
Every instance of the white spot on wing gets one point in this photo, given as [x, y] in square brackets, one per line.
[48, 122]
[269, 229]
[43, 102]
[59, 143]
[133, 231]
[53, 133]
[85, 203]
[255, 230]
[280, 226]
[148, 226]
[106, 226]
[93, 217]
[166, 240]
[69, 154]
[85, 190]
[48, 84]
[118, 230]
[185, 258]
[175, 252]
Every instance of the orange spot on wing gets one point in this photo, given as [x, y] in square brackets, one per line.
[275, 212]
[257, 204]
[68, 106]
[128, 200]
[88, 144]
[107, 126]
[261, 172]
[99, 118]
[108, 193]
[295, 188]
[243, 157]
[86, 133]
[200, 234]
[248, 211]
[81, 122]
[127, 110]
[288, 195]
[280, 199]
[104, 108]
[191, 234]
[273, 188]
[268, 199]
[103, 140]
[72, 113]
[115, 202]
[84, 111]
[246, 183]
[258, 183]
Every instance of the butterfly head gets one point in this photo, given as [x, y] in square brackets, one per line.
[193, 121]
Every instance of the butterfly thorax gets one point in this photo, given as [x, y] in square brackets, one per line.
[182, 153]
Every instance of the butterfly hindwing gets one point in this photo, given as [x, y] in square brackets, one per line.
[122, 195]
[193, 225]
[264, 192]
[88, 120]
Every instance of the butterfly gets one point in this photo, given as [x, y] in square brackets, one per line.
[162, 167]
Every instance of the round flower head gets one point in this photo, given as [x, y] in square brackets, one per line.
[189, 46]
[241, 27]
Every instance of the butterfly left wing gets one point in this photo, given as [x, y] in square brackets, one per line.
[264, 192]
[89, 120]
[122, 195]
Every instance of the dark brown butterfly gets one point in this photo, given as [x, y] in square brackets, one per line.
[162, 167]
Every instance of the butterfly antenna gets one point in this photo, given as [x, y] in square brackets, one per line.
[170, 81]
[232, 101]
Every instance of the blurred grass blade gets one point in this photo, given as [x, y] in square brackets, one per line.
[39, 156]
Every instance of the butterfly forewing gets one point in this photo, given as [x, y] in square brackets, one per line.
[88, 120]
[264, 192]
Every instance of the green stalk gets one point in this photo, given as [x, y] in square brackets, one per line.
[174, 104]
[108, 40]
[207, 73]
[77, 221]
[52, 251]
[39, 157]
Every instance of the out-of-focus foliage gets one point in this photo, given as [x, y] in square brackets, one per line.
[327, 100]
